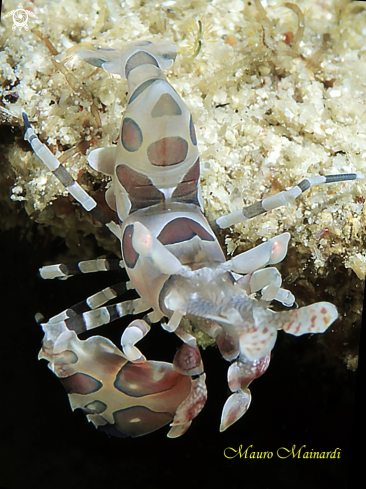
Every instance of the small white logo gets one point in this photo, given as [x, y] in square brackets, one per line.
[20, 17]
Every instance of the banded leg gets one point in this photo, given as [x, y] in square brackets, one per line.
[79, 194]
[281, 199]
[134, 332]
[100, 316]
[95, 301]
[64, 271]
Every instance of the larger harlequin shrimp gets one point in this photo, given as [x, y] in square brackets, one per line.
[174, 262]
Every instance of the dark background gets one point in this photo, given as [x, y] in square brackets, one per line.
[305, 398]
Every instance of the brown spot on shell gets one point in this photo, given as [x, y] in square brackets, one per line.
[166, 106]
[131, 135]
[141, 191]
[186, 190]
[167, 151]
[183, 229]
[81, 384]
[129, 254]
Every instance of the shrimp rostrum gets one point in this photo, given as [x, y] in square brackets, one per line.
[174, 262]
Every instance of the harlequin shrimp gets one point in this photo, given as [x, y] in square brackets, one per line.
[174, 262]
